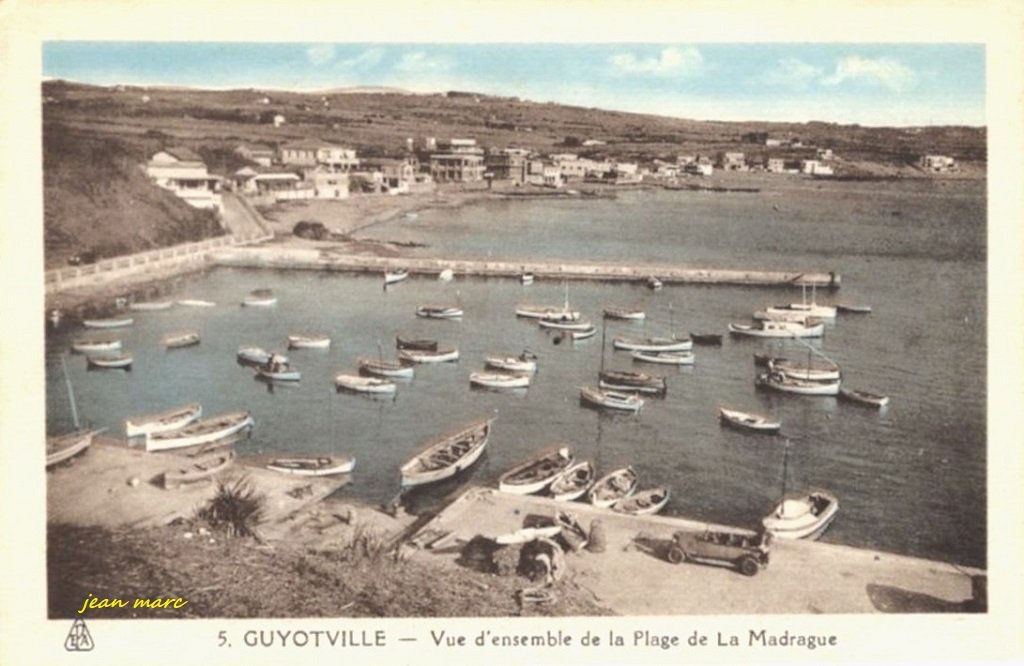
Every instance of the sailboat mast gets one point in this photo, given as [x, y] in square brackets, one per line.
[71, 393]
[785, 470]
[604, 326]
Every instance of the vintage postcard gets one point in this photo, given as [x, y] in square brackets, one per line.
[439, 339]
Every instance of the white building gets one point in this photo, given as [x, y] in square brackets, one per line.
[937, 163]
[815, 168]
[183, 172]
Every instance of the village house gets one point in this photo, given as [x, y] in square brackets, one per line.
[732, 162]
[815, 168]
[258, 154]
[772, 143]
[509, 164]
[937, 163]
[461, 162]
[825, 154]
[298, 154]
[699, 168]
[336, 159]
[396, 175]
[184, 173]
[271, 185]
[544, 175]
[278, 120]
[328, 184]
[776, 165]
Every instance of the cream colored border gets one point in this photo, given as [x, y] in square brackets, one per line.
[28, 638]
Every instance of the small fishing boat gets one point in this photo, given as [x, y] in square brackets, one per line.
[798, 316]
[747, 421]
[171, 419]
[150, 306]
[406, 342]
[278, 372]
[613, 487]
[526, 278]
[622, 380]
[391, 277]
[537, 474]
[313, 465]
[568, 325]
[110, 361]
[763, 360]
[553, 312]
[447, 275]
[108, 323]
[584, 334]
[672, 344]
[864, 398]
[96, 346]
[198, 470]
[850, 308]
[200, 432]
[260, 298]
[800, 515]
[706, 339]
[643, 502]
[448, 454]
[439, 312]
[425, 356]
[525, 362]
[812, 308]
[65, 447]
[810, 371]
[497, 380]
[611, 399]
[665, 358]
[309, 341]
[180, 339]
[654, 284]
[381, 368]
[778, 329]
[573, 482]
[257, 356]
[360, 384]
[196, 303]
[624, 313]
[780, 382]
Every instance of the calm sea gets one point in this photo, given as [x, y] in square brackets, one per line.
[910, 479]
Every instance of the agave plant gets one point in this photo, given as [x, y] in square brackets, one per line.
[236, 507]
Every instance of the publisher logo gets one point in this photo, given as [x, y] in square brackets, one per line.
[79, 639]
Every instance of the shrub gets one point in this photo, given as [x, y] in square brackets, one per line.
[237, 508]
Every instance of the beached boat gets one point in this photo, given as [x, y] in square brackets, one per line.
[553, 312]
[747, 421]
[257, 356]
[361, 384]
[65, 447]
[560, 325]
[108, 323]
[780, 382]
[525, 362]
[654, 284]
[447, 275]
[180, 339]
[425, 356]
[200, 432]
[672, 344]
[110, 361]
[864, 398]
[800, 515]
[391, 277]
[150, 306]
[309, 341]
[379, 368]
[644, 502]
[850, 308]
[447, 455]
[809, 371]
[526, 278]
[573, 482]
[778, 329]
[707, 339]
[665, 358]
[96, 346]
[611, 399]
[171, 419]
[613, 487]
[278, 372]
[497, 380]
[313, 465]
[584, 334]
[196, 303]
[439, 312]
[260, 298]
[624, 313]
[622, 380]
[527, 534]
[199, 470]
[537, 474]
[407, 342]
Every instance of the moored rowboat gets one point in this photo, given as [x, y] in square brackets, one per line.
[747, 421]
[406, 342]
[448, 454]
[260, 298]
[309, 341]
[380, 368]
[108, 323]
[558, 312]
[535, 475]
[611, 399]
[665, 358]
[111, 361]
[313, 466]
[171, 419]
[424, 356]
[282, 373]
[644, 502]
[257, 356]
[672, 344]
[709, 339]
[613, 487]
[497, 380]
[850, 308]
[621, 380]
[196, 303]
[391, 277]
[203, 468]
[362, 384]
[864, 397]
[438, 312]
[566, 325]
[91, 346]
[779, 329]
[200, 432]
[624, 313]
[573, 482]
[786, 384]
[180, 339]
[149, 306]
[802, 515]
[525, 362]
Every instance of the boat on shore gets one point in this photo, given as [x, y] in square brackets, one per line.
[65, 447]
[96, 346]
[108, 323]
[425, 356]
[150, 306]
[497, 380]
[171, 419]
[360, 384]
[525, 362]
[778, 329]
[200, 432]
[670, 344]
[786, 384]
[802, 515]
[260, 298]
[613, 487]
[622, 380]
[198, 469]
[391, 277]
[644, 502]
[110, 361]
[864, 398]
[309, 341]
[567, 325]
[448, 454]
[407, 342]
[257, 356]
[665, 358]
[180, 339]
[627, 402]
[313, 465]
[536, 474]
[196, 303]
[632, 314]
[439, 312]
[573, 482]
[707, 339]
[380, 368]
[748, 422]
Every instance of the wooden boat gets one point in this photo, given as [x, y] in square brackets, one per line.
[573, 482]
[621, 380]
[391, 277]
[864, 398]
[260, 298]
[448, 454]
[439, 312]
[802, 515]
[280, 372]
[108, 323]
[65, 447]
[707, 339]
[110, 361]
[527, 534]
[613, 487]
[584, 334]
[798, 316]
[498, 380]
[381, 368]
[850, 308]
[644, 502]
[748, 422]
[424, 356]
[665, 358]
[406, 342]
[786, 384]
[150, 306]
[624, 313]
[200, 432]
[672, 344]
[553, 312]
[526, 278]
[654, 283]
[537, 474]
[810, 371]
[525, 362]
[199, 469]
[447, 275]
[361, 384]
[196, 303]
[96, 345]
[309, 341]
[171, 419]
[611, 399]
[560, 325]
[180, 339]
[763, 360]
[812, 308]
[257, 356]
[778, 329]
[313, 466]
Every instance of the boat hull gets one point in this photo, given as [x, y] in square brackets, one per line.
[429, 312]
[319, 466]
[511, 364]
[613, 487]
[775, 329]
[617, 313]
[807, 525]
[279, 375]
[652, 345]
[748, 422]
[199, 470]
[611, 400]
[385, 369]
[559, 325]
[392, 278]
[308, 342]
[498, 381]
[108, 323]
[201, 432]
[151, 306]
[547, 312]
[172, 419]
[180, 340]
[573, 483]
[643, 503]
[97, 346]
[423, 356]
[665, 358]
[419, 470]
[539, 473]
[864, 398]
[799, 387]
[361, 384]
[65, 447]
[120, 362]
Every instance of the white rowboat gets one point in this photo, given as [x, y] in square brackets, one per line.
[522, 363]
[196, 303]
[181, 339]
[171, 419]
[438, 312]
[108, 323]
[391, 277]
[313, 466]
[613, 487]
[362, 384]
[111, 362]
[149, 306]
[779, 382]
[746, 421]
[537, 474]
[611, 399]
[97, 346]
[644, 502]
[573, 482]
[309, 341]
[665, 358]
[779, 329]
[64, 447]
[448, 454]
[425, 356]
[560, 325]
[864, 398]
[200, 432]
[497, 380]
[672, 344]
[386, 368]
[624, 313]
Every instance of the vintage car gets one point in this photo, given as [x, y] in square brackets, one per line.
[746, 552]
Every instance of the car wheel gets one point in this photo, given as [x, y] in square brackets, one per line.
[749, 566]
[676, 555]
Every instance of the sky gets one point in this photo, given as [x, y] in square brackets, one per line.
[867, 84]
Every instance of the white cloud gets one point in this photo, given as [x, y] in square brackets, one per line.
[320, 54]
[419, 62]
[670, 62]
[367, 58]
[884, 72]
[791, 73]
